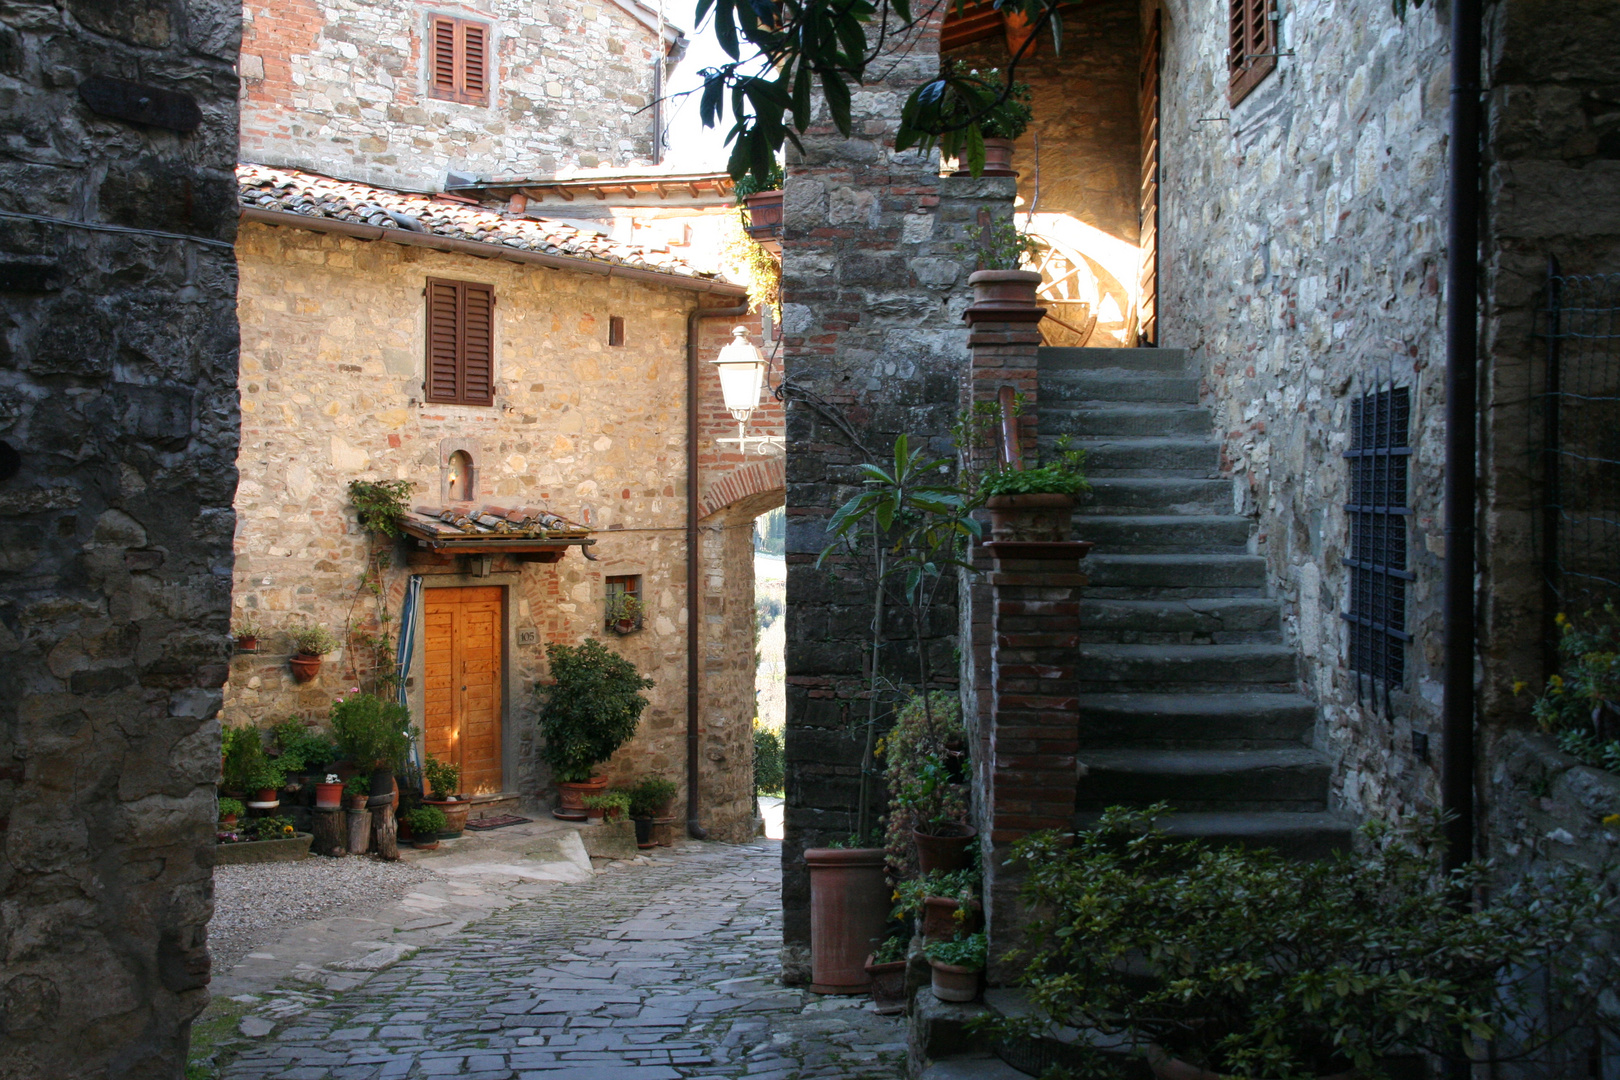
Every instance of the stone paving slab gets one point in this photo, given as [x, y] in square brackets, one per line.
[657, 971]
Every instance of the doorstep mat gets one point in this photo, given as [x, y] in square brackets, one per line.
[499, 821]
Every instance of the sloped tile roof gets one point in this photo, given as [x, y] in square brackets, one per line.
[295, 192]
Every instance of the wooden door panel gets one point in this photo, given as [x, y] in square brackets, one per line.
[462, 676]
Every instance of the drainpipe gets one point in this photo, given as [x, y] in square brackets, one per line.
[696, 831]
[1462, 358]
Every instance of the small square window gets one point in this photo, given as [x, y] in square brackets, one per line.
[458, 60]
[615, 329]
[624, 607]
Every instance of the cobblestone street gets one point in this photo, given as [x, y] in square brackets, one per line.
[663, 971]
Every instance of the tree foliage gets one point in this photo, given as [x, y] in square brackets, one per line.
[592, 707]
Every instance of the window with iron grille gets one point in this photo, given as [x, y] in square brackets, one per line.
[1379, 454]
[624, 606]
[458, 60]
[1251, 45]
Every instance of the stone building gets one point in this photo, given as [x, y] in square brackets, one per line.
[117, 472]
[503, 359]
[1269, 224]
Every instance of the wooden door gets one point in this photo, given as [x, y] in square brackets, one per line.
[462, 700]
[1147, 304]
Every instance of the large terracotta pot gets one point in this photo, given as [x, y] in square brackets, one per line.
[571, 797]
[455, 816]
[944, 853]
[1045, 517]
[305, 667]
[1011, 290]
[849, 905]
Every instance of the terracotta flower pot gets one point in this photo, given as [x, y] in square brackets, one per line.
[888, 986]
[939, 918]
[455, 816]
[571, 796]
[355, 802]
[764, 214]
[998, 157]
[305, 667]
[944, 853]
[1005, 289]
[328, 796]
[849, 905]
[428, 844]
[265, 795]
[644, 832]
[228, 821]
[247, 643]
[952, 983]
[1042, 517]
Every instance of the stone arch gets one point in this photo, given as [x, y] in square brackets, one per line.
[746, 491]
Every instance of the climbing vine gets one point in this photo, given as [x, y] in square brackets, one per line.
[379, 505]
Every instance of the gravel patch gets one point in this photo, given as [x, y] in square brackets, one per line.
[251, 903]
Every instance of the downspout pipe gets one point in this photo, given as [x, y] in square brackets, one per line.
[693, 597]
[1462, 359]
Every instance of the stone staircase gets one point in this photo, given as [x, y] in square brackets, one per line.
[1188, 693]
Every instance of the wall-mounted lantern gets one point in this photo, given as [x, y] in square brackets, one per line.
[742, 376]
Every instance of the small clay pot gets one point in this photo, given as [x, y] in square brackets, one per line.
[228, 821]
[945, 853]
[426, 844]
[265, 795]
[571, 796]
[305, 667]
[247, 643]
[1005, 290]
[328, 796]
[355, 802]
[952, 983]
[888, 986]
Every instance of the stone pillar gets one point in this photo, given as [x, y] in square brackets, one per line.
[1033, 730]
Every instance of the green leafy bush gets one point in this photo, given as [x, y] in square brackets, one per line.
[268, 828]
[241, 752]
[649, 795]
[613, 804]
[923, 791]
[892, 950]
[265, 775]
[371, 733]
[427, 821]
[1581, 703]
[1065, 476]
[770, 761]
[301, 746]
[591, 708]
[1250, 964]
[357, 785]
[960, 885]
[229, 807]
[443, 777]
[311, 640]
[380, 503]
[964, 952]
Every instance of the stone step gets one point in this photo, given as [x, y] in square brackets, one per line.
[1151, 494]
[1106, 668]
[1148, 534]
[1180, 621]
[1175, 571]
[1067, 418]
[982, 1067]
[1184, 721]
[1112, 386]
[1296, 834]
[1142, 456]
[1052, 361]
[1292, 779]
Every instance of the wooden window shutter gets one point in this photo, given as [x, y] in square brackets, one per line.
[1251, 45]
[459, 61]
[460, 343]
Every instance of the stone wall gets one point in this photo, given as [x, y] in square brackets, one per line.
[873, 290]
[1301, 256]
[118, 417]
[331, 392]
[340, 87]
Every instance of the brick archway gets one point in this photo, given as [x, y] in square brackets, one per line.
[746, 490]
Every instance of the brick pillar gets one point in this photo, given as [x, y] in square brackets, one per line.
[1033, 733]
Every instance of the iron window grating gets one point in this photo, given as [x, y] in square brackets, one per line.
[1379, 455]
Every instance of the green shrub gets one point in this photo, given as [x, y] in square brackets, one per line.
[649, 794]
[591, 708]
[443, 777]
[371, 733]
[229, 807]
[770, 762]
[965, 952]
[613, 804]
[1065, 476]
[357, 785]
[1581, 703]
[265, 775]
[302, 747]
[922, 790]
[427, 821]
[241, 753]
[1249, 964]
[269, 828]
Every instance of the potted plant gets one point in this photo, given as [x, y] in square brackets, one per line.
[763, 200]
[443, 780]
[886, 967]
[246, 631]
[947, 904]
[426, 822]
[650, 799]
[241, 752]
[974, 115]
[308, 644]
[264, 781]
[329, 793]
[1207, 960]
[1036, 503]
[956, 965]
[624, 611]
[374, 735]
[927, 828]
[356, 792]
[1002, 289]
[229, 811]
[610, 806]
[591, 707]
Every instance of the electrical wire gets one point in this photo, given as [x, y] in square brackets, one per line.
[97, 226]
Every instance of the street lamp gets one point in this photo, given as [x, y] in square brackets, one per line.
[742, 375]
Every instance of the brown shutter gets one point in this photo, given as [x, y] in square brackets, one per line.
[474, 81]
[443, 74]
[444, 321]
[478, 345]
[1251, 45]
[1147, 304]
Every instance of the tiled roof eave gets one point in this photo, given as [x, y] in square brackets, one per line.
[314, 221]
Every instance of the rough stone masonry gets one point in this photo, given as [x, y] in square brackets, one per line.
[119, 422]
